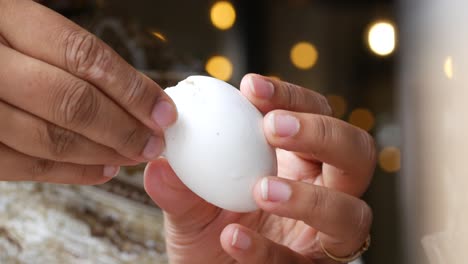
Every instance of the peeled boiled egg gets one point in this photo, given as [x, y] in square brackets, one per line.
[217, 146]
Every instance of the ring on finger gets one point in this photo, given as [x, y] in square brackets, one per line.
[353, 256]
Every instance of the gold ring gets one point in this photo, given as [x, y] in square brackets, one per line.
[352, 256]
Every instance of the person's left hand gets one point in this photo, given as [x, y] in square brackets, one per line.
[324, 164]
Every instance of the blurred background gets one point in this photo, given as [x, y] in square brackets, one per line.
[348, 50]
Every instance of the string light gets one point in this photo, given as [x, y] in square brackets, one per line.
[223, 15]
[362, 118]
[338, 105]
[448, 67]
[304, 55]
[390, 159]
[275, 77]
[219, 67]
[381, 38]
[159, 36]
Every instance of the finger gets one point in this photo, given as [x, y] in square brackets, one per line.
[248, 247]
[64, 100]
[183, 208]
[20, 167]
[343, 220]
[268, 94]
[35, 137]
[47, 36]
[329, 140]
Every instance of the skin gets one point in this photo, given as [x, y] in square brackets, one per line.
[72, 110]
[325, 164]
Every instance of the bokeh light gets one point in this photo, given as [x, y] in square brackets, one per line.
[362, 118]
[388, 134]
[381, 38]
[338, 105]
[223, 15]
[159, 36]
[448, 67]
[219, 67]
[304, 55]
[390, 159]
[275, 77]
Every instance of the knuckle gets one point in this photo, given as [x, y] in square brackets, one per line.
[369, 148]
[129, 137]
[316, 203]
[40, 168]
[76, 106]
[321, 134]
[292, 96]
[133, 140]
[136, 92]
[85, 54]
[84, 176]
[364, 222]
[61, 140]
[325, 107]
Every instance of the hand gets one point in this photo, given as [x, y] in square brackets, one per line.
[323, 165]
[71, 109]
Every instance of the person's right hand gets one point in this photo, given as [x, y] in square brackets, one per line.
[71, 110]
[324, 165]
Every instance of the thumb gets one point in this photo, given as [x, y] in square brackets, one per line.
[183, 208]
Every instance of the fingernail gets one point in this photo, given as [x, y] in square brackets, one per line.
[240, 240]
[283, 125]
[164, 113]
[111, 171]
[153, 148]
[275, 191]
[261, 88]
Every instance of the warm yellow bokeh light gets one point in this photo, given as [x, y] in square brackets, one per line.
[304, 55]
[362, 118]
[338, 105]
[223, 15]
[448, 67]
[159, 36]
[219, 67]
[275, 77]
[390, 159]
[381, 38]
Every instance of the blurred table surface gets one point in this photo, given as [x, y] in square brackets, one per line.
[42, 223]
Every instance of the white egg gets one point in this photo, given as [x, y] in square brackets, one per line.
[217, 146]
